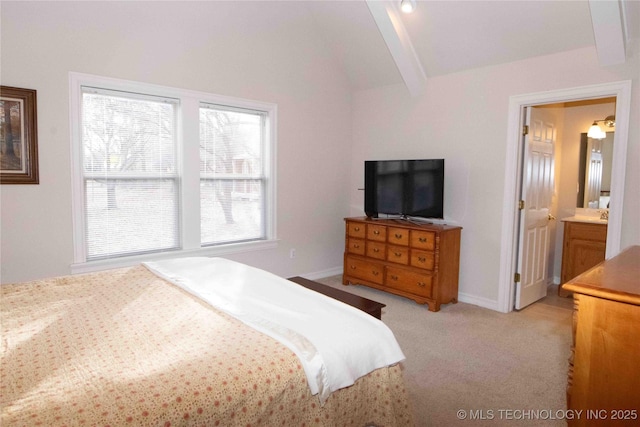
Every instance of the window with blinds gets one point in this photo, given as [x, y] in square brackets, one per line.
[231, 177]
[130, 176]
[163, 171]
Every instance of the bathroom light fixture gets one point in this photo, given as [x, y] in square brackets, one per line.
[596, 132]
[408, 6]
[609, 121]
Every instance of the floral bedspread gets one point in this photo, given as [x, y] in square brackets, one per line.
[125, 347]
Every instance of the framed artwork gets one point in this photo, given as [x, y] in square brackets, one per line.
[18, 136]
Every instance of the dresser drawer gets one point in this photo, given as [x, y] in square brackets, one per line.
[356, 246]
[376, 250]
[398, 236]
[370, 271]
[376, 232]
[422, 259]
[410, 281]
[356, 229]
[423, 240]
[398, 254]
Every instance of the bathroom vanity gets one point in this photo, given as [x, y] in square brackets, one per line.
[584, 246]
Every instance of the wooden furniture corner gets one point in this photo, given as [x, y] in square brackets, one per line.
[371, 307]
[604, 373]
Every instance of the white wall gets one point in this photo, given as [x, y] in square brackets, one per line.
[463, 118]
[265, 52]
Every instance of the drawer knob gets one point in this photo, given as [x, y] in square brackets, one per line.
[398, 254]
[357, 228]
[422, 284]
[376, 250]
[356, 246]
[353, 267]
[422, 239]
[376, 232]
[422, 259]
[375, 273]
[398, 236]
[394, 277]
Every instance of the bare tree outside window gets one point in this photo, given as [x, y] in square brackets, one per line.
[130, 174]
[161, 170]
[231, 155]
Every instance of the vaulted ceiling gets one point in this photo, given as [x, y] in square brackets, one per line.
[378, 45]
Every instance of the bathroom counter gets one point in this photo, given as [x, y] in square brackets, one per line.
[586, 219]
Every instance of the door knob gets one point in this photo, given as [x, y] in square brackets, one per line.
[551, 217]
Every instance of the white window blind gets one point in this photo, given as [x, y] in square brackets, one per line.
[232, 178]
[131, 192]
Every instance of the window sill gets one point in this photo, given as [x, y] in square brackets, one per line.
[210, 251]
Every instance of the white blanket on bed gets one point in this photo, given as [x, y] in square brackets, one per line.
[336, 343]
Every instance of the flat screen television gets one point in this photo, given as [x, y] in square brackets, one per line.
[406, 188]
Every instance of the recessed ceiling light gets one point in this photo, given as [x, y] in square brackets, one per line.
[408, 6]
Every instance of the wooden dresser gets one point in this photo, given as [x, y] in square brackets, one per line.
[604, 367]
[418, 261]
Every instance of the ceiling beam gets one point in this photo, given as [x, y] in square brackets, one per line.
[607, 18]
[387, 17]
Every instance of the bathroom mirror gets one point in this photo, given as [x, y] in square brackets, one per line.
[594, 172]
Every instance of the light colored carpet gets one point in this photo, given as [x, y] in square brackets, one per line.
[505, 368]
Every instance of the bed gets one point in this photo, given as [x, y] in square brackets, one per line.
[145, 346]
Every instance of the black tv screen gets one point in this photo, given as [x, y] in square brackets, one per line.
[408, 188]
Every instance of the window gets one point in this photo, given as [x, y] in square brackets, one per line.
[231, 178]
[129, 173]
[161, 172]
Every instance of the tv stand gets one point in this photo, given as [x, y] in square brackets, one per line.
[400, 218]
[414, 221]
[415, 260]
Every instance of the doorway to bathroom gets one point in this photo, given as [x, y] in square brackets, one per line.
[619, 93]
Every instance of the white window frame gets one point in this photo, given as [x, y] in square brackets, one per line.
[188, 159]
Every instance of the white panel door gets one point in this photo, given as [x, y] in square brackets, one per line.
[537, 193]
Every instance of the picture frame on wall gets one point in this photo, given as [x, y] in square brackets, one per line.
[18, 136]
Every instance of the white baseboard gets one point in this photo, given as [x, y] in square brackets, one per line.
[479, 301]
[322, 274]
